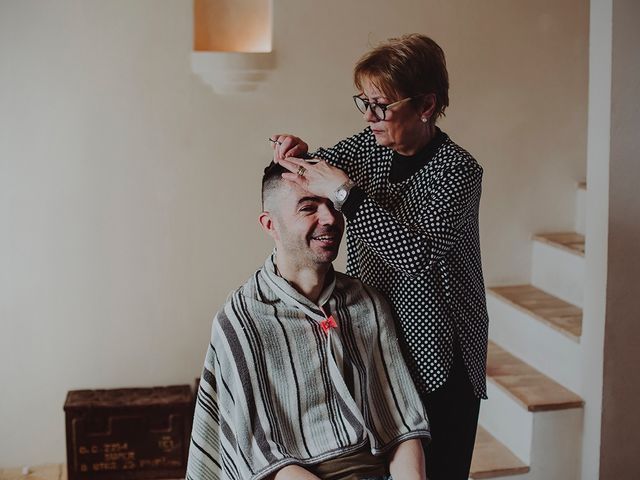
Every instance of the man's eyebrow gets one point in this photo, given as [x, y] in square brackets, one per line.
[310, 199]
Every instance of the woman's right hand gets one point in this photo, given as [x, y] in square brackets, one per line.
[285, 145]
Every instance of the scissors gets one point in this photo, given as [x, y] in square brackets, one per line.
[308, 158]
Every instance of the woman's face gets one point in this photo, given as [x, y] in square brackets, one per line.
[402, 129]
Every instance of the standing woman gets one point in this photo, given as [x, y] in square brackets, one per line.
[411, 197]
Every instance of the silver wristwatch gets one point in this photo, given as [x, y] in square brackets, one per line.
[341, 194]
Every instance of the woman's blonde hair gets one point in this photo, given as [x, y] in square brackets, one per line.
[409, 66]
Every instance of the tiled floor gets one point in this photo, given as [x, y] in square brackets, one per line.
[42, 472]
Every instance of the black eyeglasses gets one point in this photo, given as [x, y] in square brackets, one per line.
[378, 109]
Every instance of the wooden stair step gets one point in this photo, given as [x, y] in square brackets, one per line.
[558, 314]
[492, 459]
[534, 390]
[570, 241]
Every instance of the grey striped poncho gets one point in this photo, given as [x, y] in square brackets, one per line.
[282, 386]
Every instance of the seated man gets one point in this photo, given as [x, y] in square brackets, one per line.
[303, 377]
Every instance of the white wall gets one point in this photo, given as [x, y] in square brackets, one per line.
[129, 190]
[597, 229]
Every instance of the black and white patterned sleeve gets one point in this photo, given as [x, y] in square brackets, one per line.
[345, 153]
[414, 248]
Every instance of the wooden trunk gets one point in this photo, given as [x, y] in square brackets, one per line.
[129, 433]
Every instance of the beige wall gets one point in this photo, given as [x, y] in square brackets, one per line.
[621, 382]
[129, 190]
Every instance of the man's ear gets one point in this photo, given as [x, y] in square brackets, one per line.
[266, 222]
[428, 105]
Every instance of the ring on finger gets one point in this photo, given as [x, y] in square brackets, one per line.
[301, 171]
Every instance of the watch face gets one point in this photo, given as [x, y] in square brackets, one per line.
[341, 194]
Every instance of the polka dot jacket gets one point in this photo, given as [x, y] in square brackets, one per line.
[417, 241]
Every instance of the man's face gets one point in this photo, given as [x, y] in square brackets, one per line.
[307, 229]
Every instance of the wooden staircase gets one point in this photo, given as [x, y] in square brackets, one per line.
[571, 241]
[533, 390]
[492, 459]
[531, 426]
[556, 313]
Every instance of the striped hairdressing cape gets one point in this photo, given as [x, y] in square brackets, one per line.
[283, 385]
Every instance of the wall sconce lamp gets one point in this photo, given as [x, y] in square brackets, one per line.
[232, 49]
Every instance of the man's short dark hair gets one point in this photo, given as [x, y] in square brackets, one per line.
[271, 179]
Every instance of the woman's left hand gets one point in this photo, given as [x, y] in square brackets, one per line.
[319, 178]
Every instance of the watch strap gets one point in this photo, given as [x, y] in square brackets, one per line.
[342, 191]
